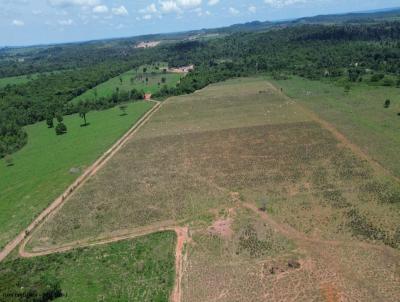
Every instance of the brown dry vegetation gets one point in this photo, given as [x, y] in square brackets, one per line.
[243, 136]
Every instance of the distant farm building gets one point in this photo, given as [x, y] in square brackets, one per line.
[147, 96]
[183, 69]
[147, 44]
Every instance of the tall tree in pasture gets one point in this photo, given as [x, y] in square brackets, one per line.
[123, 108]
[144, 69]
[83, 111]
[163, 80]
[387, 103]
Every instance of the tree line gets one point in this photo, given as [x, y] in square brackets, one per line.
[337, 52]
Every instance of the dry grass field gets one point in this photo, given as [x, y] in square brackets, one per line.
[330, 230]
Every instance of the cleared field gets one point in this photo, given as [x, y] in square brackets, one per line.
[142, 269]
[133, 79]
[203, 156]
[49, 163]
[16, 80]
[359, 114]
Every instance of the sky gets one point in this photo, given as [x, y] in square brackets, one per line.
[30, 22]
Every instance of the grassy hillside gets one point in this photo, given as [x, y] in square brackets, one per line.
[359, 114]
[41, 170]
[133, 79]
[16, 80]
[142, 269]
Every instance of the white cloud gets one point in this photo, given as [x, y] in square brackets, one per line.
[147, 17]
[188, 3]
[120, 11]
[282, 3]
[66, 22]
[213, 2]
[252, 9]
[233, 11]
[66, 3]
[100, 9]
[18, 23]
[178, 6]
[150, 9]
[170, 7]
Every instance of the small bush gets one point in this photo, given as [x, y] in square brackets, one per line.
[61, 129]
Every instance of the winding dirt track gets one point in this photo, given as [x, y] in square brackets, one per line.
[181, 233]
[78, 182]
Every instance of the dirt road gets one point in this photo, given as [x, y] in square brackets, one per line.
[78, 183]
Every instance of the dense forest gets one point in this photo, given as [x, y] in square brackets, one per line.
[344, 52]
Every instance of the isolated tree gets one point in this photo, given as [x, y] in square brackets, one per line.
[132, 80]
[50, 121]
[95, 93]
[61, 128]
[144, 69]
[120, 80]
[147, 80]
[123, 109]
[165, 70]
[83, 111]
[8, 160]
[387, 103]
[347, 88]
[163, 80]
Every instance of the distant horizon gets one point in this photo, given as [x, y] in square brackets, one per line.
[70, 31]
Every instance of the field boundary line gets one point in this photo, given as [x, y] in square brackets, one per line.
[99, 163]
[340, 136]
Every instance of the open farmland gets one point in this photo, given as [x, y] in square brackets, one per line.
[141, 269]
[208, 160]
[133, 79]
[359, 114]
[45, 167]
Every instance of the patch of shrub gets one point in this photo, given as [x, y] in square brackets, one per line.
[360, 226]
[382, 192]
[336, 199]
